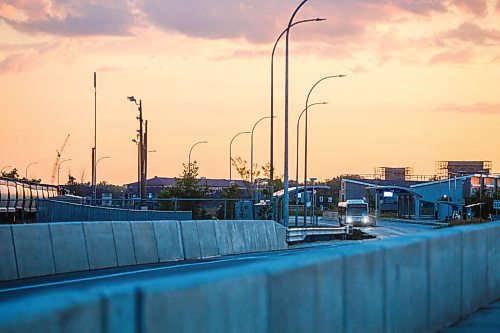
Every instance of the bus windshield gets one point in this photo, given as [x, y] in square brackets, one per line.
[357, 210]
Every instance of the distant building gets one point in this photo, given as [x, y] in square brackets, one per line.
[439, 199]
[389, 173]
[156, 184]
[446, 169]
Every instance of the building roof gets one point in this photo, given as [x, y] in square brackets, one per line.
[169, 181]
[383, 182]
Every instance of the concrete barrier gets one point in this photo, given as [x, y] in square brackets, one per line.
[223, 236]
[68, 312]
[33, 248]
[383, 286]
[207, 238]
[168, 240]
[445, 278]
[187, 305]
[68, 244]
[100, 244]
[8, 266]
[190, 240]
[474, 280]
[146, 251]
[45, 249]
[407, 285]
[124, 243]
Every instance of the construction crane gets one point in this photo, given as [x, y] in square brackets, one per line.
[58, 158]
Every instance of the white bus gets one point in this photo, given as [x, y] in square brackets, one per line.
[354, 212]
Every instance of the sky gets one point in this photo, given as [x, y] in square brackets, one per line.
[421, 85]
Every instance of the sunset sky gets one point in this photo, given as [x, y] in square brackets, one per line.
[422, 85]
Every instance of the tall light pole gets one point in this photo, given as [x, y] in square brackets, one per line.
[59, 169]
[286, 195]
[297, 167]
[94, 149]
[190, 150]
[271, 150]
[141, 151]
[230, 152]
[26, 176]
[95, 184]
[312, 179]
[305, 137]
[251, 150]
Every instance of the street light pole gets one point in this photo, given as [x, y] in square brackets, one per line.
[286, 195]
[251, 150]
[305, 137]
[313, 179]
[26, 176]
[95, 184]
[190, 150]
[141, 152]
[297, 167]
[271, 150]
[230, 152]
[94, 149]
[59, 169]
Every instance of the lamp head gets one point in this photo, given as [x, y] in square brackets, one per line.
[342, 75]
[320, 19]
[131, 98]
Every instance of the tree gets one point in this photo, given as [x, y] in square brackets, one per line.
[232, 192]
[186, 187]
[11, 174]
[244, 172]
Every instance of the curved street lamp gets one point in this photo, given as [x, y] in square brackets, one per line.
[190, 150]
[271, 159]
[59, 169]
[5, 167]
[95, 184]
[28, 168]
[305, 137]
[286, 195]
[251, 150]
[297, 166]
[230, 152]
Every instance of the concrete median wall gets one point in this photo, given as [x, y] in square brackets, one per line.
[413, 284]
[53, 248]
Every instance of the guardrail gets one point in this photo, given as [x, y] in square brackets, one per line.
[414, 284]
[64, 211]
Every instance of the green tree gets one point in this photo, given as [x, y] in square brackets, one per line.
[13, 173]
[186, 187]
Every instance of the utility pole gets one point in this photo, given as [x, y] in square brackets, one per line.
[94, 149]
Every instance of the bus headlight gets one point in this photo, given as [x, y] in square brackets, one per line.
[348, 219]
[366, 219]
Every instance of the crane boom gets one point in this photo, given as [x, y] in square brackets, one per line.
[58, 158]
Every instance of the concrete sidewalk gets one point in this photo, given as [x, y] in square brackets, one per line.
[486, 320]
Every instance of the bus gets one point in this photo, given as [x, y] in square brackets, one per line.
[354, 212]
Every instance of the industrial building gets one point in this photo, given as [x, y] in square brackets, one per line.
[440, 199]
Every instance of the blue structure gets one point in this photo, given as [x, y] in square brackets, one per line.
[441, 199]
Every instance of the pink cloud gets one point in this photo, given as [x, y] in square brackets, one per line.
[473, 33]
[27, 58]
[70, 18]
[461, 56]
[480, 108]
[475, 7]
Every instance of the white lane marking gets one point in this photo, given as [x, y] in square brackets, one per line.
[125, 273]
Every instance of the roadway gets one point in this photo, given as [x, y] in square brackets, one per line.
[114, 276]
